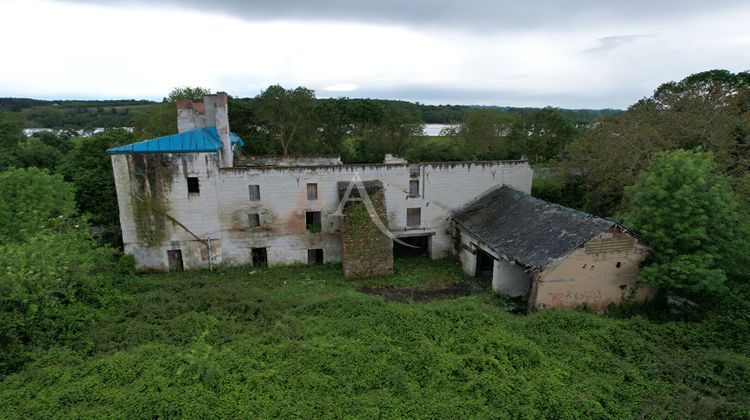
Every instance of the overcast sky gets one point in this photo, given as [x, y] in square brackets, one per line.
[574, 54]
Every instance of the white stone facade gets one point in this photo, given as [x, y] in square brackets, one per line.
[218, 217]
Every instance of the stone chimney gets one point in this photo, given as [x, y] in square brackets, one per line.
[220, 112]
[213, 112]
[189, 116]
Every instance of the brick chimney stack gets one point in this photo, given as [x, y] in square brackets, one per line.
[221, 113]
[213, 112]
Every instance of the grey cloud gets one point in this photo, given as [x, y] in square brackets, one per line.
[609, 43]
[443, 95]
[471, 15]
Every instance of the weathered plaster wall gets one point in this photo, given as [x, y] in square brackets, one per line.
[465, 250]
[283, 191]
[591, 275]
[153, 201]
[220, 211]
[507, 278]
[510, 279]
[312, 160]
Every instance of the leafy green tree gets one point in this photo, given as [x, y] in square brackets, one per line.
[334, 123]
[287, 114]
[29, 200]
[710, 110]
[187, 93]
[163, 120]
[34, 152]
[396, 126]
[89, 168]
[51, 284]
[485, 134]
[11, 133]
[688, 214]
[543, 135]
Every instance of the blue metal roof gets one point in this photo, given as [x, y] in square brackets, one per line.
[199, 140]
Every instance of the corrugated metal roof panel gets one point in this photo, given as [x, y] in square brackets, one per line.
[199, 140]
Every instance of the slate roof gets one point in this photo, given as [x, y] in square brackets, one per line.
[525, 229]
[199, 140]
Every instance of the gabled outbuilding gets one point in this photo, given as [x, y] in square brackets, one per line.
[553, 255]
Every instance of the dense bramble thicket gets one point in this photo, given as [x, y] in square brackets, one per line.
[301, 341]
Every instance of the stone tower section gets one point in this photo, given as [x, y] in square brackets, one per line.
[366, 251]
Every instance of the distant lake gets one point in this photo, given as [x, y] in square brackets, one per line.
[28, 132]
[433, 130]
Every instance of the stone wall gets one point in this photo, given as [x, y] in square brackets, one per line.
[443, 187]
[311, 160]
[594, 275]
[365, 250]
[508, 279]
[220, 212]
[157, 213]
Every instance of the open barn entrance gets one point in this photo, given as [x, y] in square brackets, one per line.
[485, 265]
[421, 242]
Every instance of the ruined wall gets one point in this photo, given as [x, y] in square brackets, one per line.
[464, 244]
[154, 202]
[511, 279]
[443, 188]
[507, 278]
[220, 212]
[312, 160]
[602, 272]
[366, 251]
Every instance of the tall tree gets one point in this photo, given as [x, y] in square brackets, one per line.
[709, 110]
[688, 214]
[543, 135]
[29, 199]
[287, 114]
[11, 133]
[485, 134]
[89, 168]
[163, 120]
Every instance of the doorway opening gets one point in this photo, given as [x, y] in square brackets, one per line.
[485, 265]
[315, 256]
[421, 242]
[175, 260]
[260, 257]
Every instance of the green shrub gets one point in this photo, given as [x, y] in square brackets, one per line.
[50, 287]
[29, 200]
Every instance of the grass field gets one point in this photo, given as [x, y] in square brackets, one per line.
[303, 342]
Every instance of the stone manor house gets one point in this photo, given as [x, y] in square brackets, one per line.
[185, 202]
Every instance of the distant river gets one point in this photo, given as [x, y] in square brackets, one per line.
[435, 129]
[431, 130]
[82, 133]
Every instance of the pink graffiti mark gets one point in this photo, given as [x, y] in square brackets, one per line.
[558, 298]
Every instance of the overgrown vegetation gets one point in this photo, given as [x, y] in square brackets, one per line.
[83, 336]
[54, 275]
[688, 214]
[301, 341]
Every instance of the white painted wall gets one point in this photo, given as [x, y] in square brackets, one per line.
[510, 279]
[221, 210]
[196, 212]
[507, 278]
